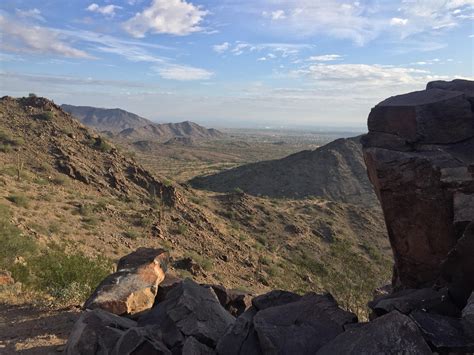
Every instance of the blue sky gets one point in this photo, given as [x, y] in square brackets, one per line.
[234, 63]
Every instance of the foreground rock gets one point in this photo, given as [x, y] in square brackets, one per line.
[133, 287]
[420, 158]
[393, 333]
[189, 310]
[285, 323]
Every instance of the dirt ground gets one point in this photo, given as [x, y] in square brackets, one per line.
[27, 329]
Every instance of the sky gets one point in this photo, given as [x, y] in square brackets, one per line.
[234, 63]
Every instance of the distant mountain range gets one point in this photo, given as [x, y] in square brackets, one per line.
[335, 172]
[124, 124]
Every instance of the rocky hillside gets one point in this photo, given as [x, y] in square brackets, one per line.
[112, 120]
[335, 171]
[130, 126]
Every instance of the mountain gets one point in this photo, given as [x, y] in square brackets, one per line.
[335, 171]
[127, 125]
[166, 131]
[104, 119]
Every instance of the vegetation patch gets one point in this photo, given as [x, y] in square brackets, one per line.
[19, 200]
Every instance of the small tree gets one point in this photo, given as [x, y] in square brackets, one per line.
[31, 94]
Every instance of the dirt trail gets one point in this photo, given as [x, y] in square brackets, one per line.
[26, 329]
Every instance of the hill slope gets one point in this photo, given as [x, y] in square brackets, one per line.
[335, 171]
[167, 131]
[103, 119]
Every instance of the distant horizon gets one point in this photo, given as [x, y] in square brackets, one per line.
[279, 62]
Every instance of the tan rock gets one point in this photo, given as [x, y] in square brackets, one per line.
[133, 287]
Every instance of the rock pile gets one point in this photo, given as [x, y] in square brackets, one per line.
[420, 158]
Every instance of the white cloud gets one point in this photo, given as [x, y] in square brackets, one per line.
[107, 10]
[275, 15]
[221, 48]
[359, 74]
[396, 21]
[362, 22]
[325, 58]
[176, 17]
[183, 73]
[21, 37]
[32, 13]
[262, 59]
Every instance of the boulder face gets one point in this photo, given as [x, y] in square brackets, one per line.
[419, 154]
[133, 287]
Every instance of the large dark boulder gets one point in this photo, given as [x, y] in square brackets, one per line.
[189, 310]
[284, 323]
[301, 327]
[444, 334]
[420, 158]
[96, 332]
[393, 333]
[409, 300]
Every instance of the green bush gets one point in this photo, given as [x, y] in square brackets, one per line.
[19, 200]
[46, 116]
[131, 234]
[63, 276]
[68, 278]
[13, 243]
[100, 144]
[181, 229]
[7, 142]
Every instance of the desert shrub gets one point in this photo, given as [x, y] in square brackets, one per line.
[201, 260]
[62, 275]
[100, 144]
[19, 200]
[130, 234]
[181, 229]
[46, 116]
[13, 243]
[7, 142]
[305, 261]
[59, 180]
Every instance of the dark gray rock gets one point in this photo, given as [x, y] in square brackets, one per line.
[274, 298]
[464, 86]
[406, 301]
[166, 286]
[429, 116]
[189, 310]
[96, 332]
[141, 341]
[393, 333]
[234, 301]
[300, 327]
[445, 334]
[193, 347]
[241, 338]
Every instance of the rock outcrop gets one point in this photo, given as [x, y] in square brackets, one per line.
[420, 158]
[133, 287]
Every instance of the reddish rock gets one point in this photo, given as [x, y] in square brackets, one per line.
[133, 287]
[420, 158]
[6, 278]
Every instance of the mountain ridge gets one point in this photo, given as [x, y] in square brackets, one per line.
[127, 125]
